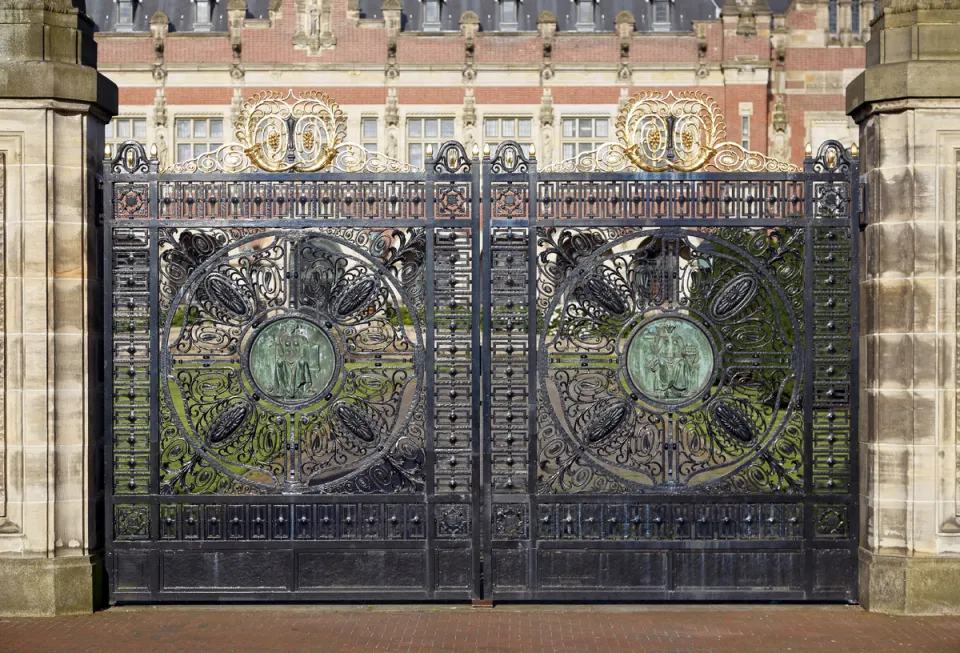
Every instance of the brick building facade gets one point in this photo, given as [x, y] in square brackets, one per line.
[541, 72]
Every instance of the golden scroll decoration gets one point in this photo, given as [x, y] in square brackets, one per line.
[661, 133]
[296, 132]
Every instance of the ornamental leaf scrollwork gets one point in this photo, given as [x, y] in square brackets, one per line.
[292, 132]
[680, 132]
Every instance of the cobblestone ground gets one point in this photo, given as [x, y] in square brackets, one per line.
[518, 629]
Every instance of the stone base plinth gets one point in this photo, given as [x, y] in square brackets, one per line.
[909, 585]
[42, 587]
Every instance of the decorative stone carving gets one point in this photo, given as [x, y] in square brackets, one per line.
[779, 132]
[391, 21]
[353, 11]
[391, 117]
[625, 25]
[469, 119]
[236, 13]
[159, 27]
[702, 48]
[546, 128]
[160, 125]
[314, 25]
[547, 27]
[469, 26]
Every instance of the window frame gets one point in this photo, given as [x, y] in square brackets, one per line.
[526, 142]
[508, 25]
[428, 25]
[193, 140]
[116, 140]
[367, 141]
[583, 26]
[578, 141]
[661, 25]
[422, 140]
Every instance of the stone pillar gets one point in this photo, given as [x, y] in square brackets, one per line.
[53, 105]
[907, 104]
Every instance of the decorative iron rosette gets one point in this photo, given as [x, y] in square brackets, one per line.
[670, 358]
[294, 362]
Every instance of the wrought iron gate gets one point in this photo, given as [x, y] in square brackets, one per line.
[670, 368]
[293, 360]
[295, 374]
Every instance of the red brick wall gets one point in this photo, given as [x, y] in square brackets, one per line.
[367, 45]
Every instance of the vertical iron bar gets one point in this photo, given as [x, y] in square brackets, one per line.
[429, 184]
[533, 179]
[486, 398]
[481, 528]
[809, 359]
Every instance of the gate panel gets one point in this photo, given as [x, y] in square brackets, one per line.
[670, 371]
[294, 357]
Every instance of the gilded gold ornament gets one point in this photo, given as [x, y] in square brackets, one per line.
[650, 121]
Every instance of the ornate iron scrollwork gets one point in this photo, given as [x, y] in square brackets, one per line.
[682, 132]
[673, 360]
[509, 158]
[268, 347]
[302, 132]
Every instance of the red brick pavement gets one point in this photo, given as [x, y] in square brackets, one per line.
[518, 629]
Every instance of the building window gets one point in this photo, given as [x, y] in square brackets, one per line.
[585, 15]
[832, 16]
[855, 18]
[196, 136]
[508, 15]
[204, 11]
[119, 130]
[431, 15]
[745, 132]
[661, 15]
[125, 16]
[583, 135]
[368, 134]
[426, 131]
[496, 130]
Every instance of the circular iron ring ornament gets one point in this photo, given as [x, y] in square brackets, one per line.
[267, 365]
[709, 371]
[670, 360]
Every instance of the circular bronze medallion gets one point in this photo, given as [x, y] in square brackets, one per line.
[670, 360]
[292, 360]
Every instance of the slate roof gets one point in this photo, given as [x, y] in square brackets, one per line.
[182, 13]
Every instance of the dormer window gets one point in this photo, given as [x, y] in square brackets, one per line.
[431, 15]
[661, 15]
[586, 10]
[202, 22]
[124, 16]
[509, 9]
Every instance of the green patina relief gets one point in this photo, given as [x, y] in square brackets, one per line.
[292, 360]
[670, 360]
